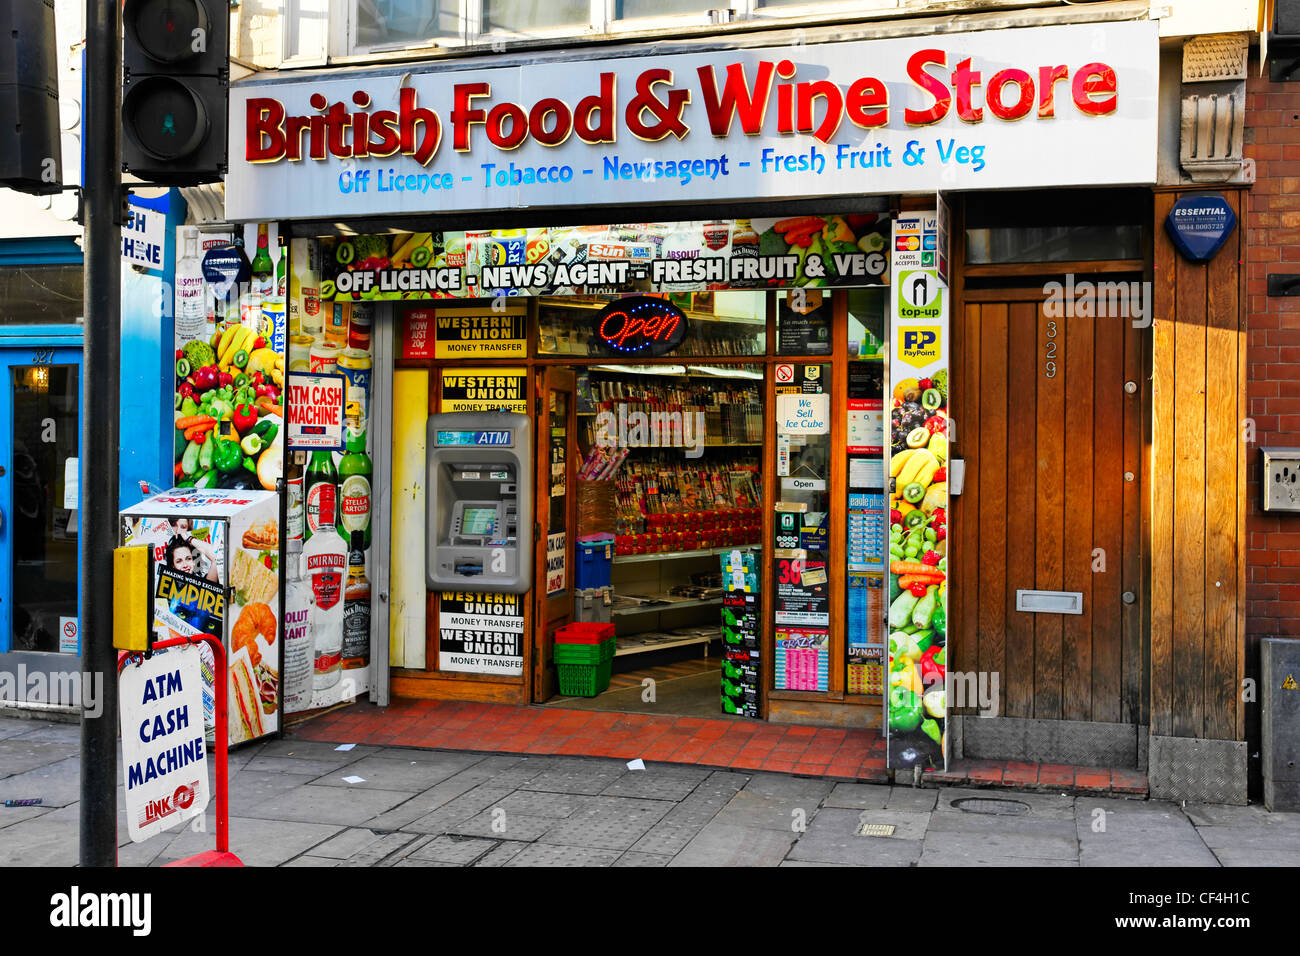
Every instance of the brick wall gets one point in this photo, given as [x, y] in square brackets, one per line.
[1273, 373]
[255, 33]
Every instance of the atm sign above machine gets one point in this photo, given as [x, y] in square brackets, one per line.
[475, 438]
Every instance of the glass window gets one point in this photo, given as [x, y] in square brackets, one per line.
[520, 16]
[720, 324]
[629, 9]
[803, 322]
[801, 513]
[40, 294]
[393, 22]
[867, 321]
[45, 436]
[1052, 243]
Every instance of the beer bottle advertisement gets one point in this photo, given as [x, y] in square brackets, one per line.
[354, 491]
[322, 494]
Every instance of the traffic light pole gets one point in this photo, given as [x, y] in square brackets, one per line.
[102, 193]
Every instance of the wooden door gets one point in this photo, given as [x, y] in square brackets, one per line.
[555, 511]
[1048, 415]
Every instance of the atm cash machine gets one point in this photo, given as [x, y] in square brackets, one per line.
[480, 503]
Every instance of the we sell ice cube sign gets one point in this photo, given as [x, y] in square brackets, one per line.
[163, 754]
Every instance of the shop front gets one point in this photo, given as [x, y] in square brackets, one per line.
[677, 344]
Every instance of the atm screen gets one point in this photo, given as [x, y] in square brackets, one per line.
[478, 521]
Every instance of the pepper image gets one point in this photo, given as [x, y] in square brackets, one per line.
[904, 710]
[932, 669]
[939, 621]
[931, 729]
[904, 674]
[244, 417]
[227, 456]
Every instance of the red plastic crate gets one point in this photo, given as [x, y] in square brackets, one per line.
[584, 632]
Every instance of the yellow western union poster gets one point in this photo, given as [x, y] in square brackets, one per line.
[481, 332]
[484, 389]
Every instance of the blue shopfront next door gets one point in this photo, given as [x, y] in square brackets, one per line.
[40, 437]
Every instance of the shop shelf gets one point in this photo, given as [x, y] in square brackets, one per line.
[666, 606]
[680, 555]
[663, 645]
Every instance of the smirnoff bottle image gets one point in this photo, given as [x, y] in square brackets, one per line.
[325, 560]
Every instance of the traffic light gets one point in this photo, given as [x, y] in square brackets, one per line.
[175, 81]
[30, 158]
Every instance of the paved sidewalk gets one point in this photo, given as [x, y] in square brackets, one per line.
[292, 806]
[722, 743]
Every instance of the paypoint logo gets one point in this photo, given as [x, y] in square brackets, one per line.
[919, 346]
[920, 295]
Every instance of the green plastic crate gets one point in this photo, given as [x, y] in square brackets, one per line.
[583, 680]
[585, 653]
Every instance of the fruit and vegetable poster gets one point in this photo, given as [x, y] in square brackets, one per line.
[231, 327]
[672, 257]
[915, 704]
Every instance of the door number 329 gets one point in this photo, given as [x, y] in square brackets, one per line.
[1049, 366]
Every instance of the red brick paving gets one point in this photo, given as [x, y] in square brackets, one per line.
[855, 755]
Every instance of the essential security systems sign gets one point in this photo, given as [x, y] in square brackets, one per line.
[1045, 106]
[164, 757]
[1199, 225]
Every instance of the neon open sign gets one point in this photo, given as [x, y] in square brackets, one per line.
[641, 325]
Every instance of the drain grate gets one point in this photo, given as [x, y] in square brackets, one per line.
[994, 806]
[876, 829]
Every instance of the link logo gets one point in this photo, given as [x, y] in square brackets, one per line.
[919, 345]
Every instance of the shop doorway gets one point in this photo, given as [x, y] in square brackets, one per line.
[654, 473]
[40, 432]
[556, 500]
[1049, 422]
